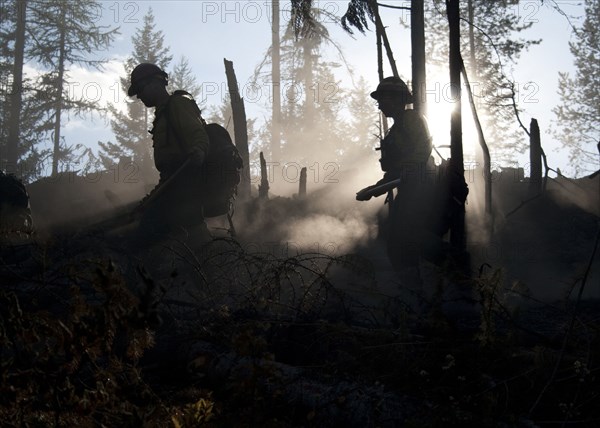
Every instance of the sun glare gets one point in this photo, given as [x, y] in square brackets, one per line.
[439, 111]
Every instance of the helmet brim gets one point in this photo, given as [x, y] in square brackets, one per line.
[133, 90]
[407, 98]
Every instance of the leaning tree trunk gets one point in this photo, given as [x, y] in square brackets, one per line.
[240, 127]
[484, 148]
[16, 96]
[381, 30]
[457, 232]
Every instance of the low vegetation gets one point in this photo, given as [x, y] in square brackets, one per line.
[218, 337]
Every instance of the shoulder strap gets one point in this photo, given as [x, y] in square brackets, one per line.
[187, 95]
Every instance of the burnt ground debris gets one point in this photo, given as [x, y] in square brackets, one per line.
[229, 334]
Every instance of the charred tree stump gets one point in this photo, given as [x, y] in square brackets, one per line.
[240, 127]
[263, 187]
[535, 159]
[302, 187]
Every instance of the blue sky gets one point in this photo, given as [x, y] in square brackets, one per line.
[205, 32]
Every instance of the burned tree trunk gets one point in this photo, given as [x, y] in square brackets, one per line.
[457, 232]
[535, 159]
[263, 187]
[386, 42]
[417, 37]
[302, 186]
[240, 127]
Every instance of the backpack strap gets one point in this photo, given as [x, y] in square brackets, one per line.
[190, 97]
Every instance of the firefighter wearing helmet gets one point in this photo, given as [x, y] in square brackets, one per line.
[180, 145]
[407, 164]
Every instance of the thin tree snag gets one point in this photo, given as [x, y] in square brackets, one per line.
[263, 187]
[276, 75]
[302, 186]
[380, 75]
[383, 119]
[535, 158]
[486, 152]
[240, 127]
[16, 95]
[386, 42]
[457, 233]
[417, 30]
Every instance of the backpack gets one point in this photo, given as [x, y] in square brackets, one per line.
[221, 170]
[450, 195]
[15, 211]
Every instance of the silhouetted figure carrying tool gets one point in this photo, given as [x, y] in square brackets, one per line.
[198, 163]
[417, 219]
[181, 145]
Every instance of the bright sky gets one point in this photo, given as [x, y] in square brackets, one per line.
[205, 32]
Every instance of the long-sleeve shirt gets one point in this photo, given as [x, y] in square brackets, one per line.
[178, 133]
[406, 149]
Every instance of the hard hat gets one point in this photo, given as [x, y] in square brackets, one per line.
[393, 86]
[144, 71]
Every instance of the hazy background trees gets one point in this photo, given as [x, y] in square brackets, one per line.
[50, 37]
[130, 127]
[53, 36]
[577, 124]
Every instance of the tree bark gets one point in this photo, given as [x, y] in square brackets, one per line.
[419, 76]
[59, 90]
[384, 122]
[240, 127]
[386, 42]
[276, 76]
[535, 158]
[484, 148]
[16, 96]
[302, 185]
[263, 188]
[457, 233]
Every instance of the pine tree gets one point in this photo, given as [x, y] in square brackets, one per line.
[183, 78]
[363, 131]
[31, 32]
[133, 142]
[311, 95]
[578, 115]
[491, 47]
[490, 29]
[66, 34]
[23, 101]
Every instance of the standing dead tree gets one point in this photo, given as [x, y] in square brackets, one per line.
[240, 127]
[535, 159]
[263, 187]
